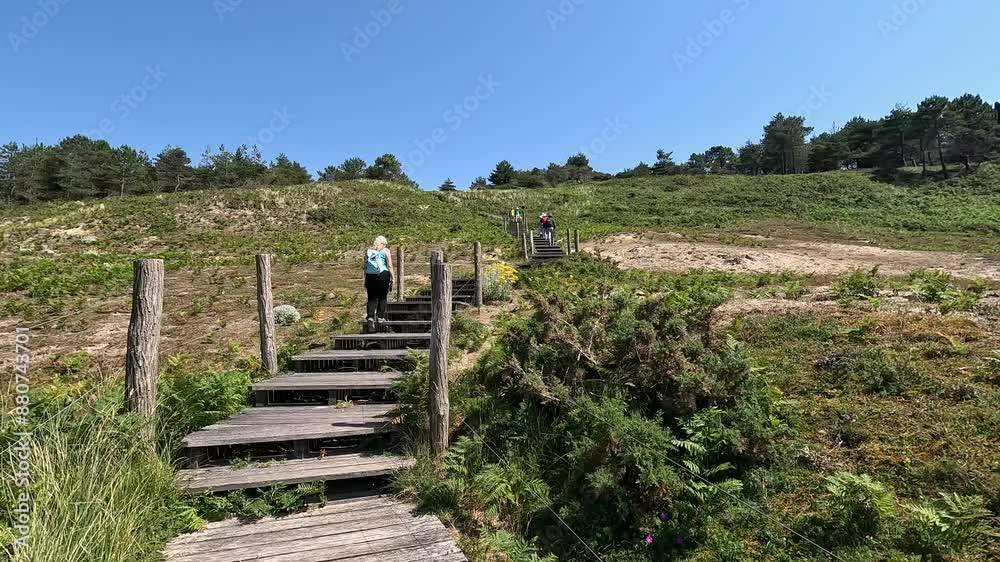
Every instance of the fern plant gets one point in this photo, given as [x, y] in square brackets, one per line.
[952, 525]
[859, 505]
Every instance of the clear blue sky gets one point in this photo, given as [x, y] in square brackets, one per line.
[557, 78]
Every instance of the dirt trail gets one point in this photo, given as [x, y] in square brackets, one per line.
[760, 254]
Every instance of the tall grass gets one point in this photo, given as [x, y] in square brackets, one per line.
[100, 492]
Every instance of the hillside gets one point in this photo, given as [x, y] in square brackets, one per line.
[960, 214]
[52, 252]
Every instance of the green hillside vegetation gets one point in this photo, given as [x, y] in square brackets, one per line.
[961, 213]
[860, 436]
[53, 252]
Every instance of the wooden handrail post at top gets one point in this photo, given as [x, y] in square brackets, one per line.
[531, 240]
[576, 240]
[477, 252]
[142, 359]
[569, 249]
[400, 273]
[524, 246]
[265, 314]
[438, 372]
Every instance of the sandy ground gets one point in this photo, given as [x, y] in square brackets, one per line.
[760, 254]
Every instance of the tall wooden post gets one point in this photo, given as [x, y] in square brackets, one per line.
[524, 245]
[400, 273]
[477, 252]
[142, 354]
[440, 332]
[576, 240]
[569, 249]
[531, 240]
[518, 228]
[265, 315]
[506, 225]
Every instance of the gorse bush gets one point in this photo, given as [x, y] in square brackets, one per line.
[609, 405]
[467, 333]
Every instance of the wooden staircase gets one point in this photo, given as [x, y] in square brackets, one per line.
[324, 422]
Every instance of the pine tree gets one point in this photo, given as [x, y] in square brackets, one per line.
[503, 174]
[478, 183]
[173, 169]
[448, 185]
[285, 171]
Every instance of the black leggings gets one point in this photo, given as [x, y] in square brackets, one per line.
[377, 285]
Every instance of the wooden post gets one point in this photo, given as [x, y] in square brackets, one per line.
[576, 240]
[265, 315]
[477, 252]
[400, 273]
[531, 240]
[142, 354]
[569, 249]
[440, 332]
[517, 225]
[524, 245]
[506, 225]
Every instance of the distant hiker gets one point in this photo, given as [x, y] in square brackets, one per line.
[518, 215]
[543, 227]
[550, 229]
[378, 279]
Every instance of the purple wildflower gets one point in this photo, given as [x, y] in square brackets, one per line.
[680, 539]
[649, 539]
[664, 516]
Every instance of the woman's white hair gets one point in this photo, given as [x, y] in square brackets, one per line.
[380, 240]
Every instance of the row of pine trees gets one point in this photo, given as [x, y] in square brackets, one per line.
[938, 132]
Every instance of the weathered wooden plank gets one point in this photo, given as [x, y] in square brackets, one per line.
[297, 471]
[275, 423]
[349, 539]
[362, 380]
[352, 354]
[335, 512]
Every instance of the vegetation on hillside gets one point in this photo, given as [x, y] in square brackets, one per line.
[613, 419]
[962, 213]
[57, 251]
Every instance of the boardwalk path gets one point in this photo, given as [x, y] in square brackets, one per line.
[303, 429]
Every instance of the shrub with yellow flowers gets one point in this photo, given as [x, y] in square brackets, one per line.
[498, 282]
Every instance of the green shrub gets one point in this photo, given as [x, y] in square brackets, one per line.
[858, 284]
[936, 286]
[273, 501]
[286, 315]
[467, 333]
[873, 370]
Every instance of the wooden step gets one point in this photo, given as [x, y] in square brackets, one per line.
[275, 424]
[330, 360]
[297, 471]
[358, 380]
[370, 529]
[382, 340]
[408, 315]
[402, 326]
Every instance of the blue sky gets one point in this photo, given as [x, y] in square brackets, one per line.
[538, 79]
